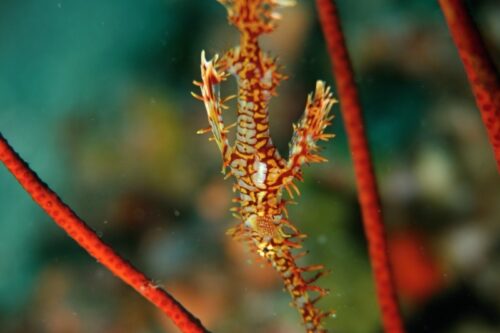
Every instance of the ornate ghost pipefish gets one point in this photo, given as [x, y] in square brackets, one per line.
[260, 172]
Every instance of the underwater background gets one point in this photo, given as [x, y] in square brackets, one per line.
[95, 95]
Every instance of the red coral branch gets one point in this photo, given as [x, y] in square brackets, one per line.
[77, 229]
[367, 186]
[481, 72]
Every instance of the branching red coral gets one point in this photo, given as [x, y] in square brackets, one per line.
[77, 229]
[481, 72]
[366, 182]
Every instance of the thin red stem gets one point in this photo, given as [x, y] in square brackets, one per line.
[365, 178]
[77, 229]
[481, 72]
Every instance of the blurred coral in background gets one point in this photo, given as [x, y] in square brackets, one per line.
[95, 95]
